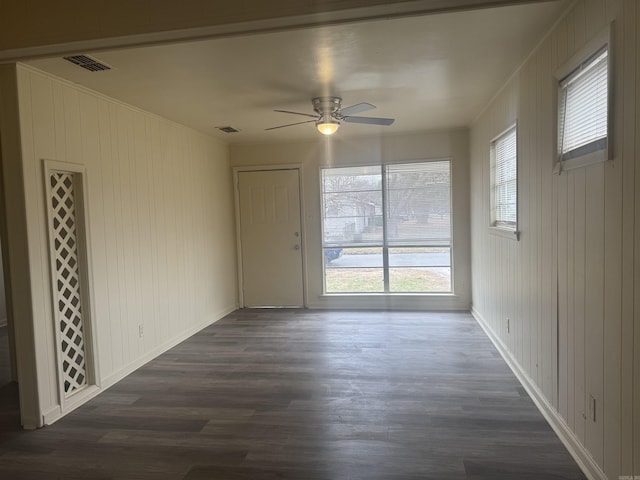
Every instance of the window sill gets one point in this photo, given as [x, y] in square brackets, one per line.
[505, 233]
[390, 294]
[599, 156]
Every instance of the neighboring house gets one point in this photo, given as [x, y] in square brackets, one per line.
[351, 220]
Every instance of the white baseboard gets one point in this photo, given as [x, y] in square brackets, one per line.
[136, 364]
[55, 413]
[577, 450]
[51, 415]
[70, 404]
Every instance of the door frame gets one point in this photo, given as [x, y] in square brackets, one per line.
[236, 194]
[4, 271]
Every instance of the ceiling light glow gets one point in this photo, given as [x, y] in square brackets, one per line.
[327, 126]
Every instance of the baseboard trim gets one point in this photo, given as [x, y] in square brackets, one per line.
[51, 415]
[56, 413]
[115, 377]
[70, 404]
[579, 453]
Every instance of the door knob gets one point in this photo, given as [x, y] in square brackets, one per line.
[296, 247]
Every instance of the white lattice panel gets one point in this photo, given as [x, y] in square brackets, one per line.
[67, 279]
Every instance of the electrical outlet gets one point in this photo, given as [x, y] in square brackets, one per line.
[592, 408]
[508, 326]
[141, 330]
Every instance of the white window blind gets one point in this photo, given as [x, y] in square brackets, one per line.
[352, 206]
[418, 206]
[504, 154]
[387, 228]
[583, 108]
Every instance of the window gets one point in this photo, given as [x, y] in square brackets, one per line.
[583, 110]
[504, 180]
[387, 229]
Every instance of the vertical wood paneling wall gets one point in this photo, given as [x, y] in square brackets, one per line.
[569, 287]
[160, 221]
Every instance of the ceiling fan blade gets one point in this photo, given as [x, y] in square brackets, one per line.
[297, 113]
[370, 120]
[290, 124]
[357, 108]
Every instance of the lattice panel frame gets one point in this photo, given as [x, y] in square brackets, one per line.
[66, 235]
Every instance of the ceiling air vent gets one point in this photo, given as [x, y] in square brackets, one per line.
[228, 129]
[87, 63]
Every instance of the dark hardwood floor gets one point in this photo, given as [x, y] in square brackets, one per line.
[282, 394]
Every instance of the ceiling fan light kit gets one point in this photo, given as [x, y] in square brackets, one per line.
[329, 114]
[327, 126]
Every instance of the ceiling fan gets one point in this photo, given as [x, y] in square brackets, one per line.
[329, 114]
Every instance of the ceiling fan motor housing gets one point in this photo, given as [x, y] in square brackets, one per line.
[329, 115]
[326, 105]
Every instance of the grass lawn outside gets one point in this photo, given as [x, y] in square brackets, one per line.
[401, 280]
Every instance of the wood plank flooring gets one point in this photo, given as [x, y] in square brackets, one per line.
[298, 394]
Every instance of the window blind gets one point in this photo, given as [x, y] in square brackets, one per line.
[387, 228]
[583, 108]
[352, 206]
[419, 203]
[505, 180]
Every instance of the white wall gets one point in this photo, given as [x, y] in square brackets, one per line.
[160, 222]
[569, 286]
[336, 151]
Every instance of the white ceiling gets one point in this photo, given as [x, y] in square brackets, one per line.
[428, 72]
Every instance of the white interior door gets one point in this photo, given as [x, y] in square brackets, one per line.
[270, 238]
